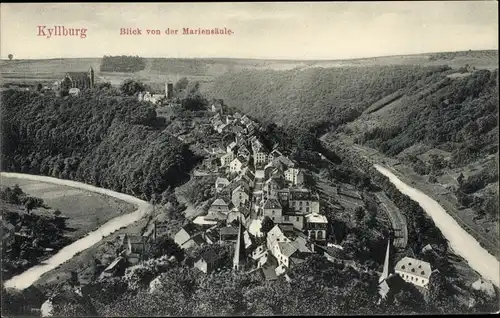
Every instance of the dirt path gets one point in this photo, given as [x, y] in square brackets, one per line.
[31, 275]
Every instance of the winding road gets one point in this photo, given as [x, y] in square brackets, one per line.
[31, 275]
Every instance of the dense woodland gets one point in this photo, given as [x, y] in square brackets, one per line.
[460, 117]
[109, 141]
[123, 63]
[317, 97]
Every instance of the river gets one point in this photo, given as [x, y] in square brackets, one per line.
[460, 241]
[31, 275]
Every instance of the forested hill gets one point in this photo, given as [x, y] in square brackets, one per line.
[318, 97]
[108, 141]
[459, 116]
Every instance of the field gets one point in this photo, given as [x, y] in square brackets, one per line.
[86, 211]
[161, 70]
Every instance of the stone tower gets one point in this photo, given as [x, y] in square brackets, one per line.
[169, 90]
[91, 77]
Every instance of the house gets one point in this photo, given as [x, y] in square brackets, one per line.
[240, 195]
[414, 271]
[136, 248]
[259, 153]
[207, 262]
[259, 252]
[484, 286]
[295, 176]
[219, 205]
[274, 155]
[272, 185]
[266, 265]
[247, 176]
[240, 213]
[116, 268]
[189, 235]
[302, 201]
[228, 233]
[220, 183]
[8, 234]
[316, 226]
[236, 165]
[244, 152]
[217, 106]
[74, 92]
[296, 220]
[287, 162]
[231, 147]
[272, 209]
[226, 159]
[80, 80]
[288, 245]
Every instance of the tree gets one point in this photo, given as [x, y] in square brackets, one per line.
[166, 246]
[57, 213]
[131, 87]
[39, 87]
[11, 56]
[267, 225]
[181, 84]
[359, 213]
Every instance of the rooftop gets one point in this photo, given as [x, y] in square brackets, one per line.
[219, 202]
[286, 249]
[414, 266]
[272, 203]
[316, 218]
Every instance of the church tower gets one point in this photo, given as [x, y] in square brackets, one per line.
[91, 77]
[239, 249]
[385, 271]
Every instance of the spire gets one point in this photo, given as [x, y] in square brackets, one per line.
[385, 272]
[239, 249]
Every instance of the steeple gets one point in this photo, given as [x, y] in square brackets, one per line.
[385, 272]
[239, 249]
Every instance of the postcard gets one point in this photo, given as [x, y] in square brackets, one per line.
[249, 159]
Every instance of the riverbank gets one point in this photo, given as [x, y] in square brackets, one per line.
[30, 276]
[462, 243]
[488, 239]
[84, 211]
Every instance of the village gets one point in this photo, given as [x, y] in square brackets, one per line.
[266, 208]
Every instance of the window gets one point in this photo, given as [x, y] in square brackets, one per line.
[422, 272]
[297, 219]
[319, 235]
[422, 281]
[273, 213]
[307, 203]
[286, 218]
[272, 218]
[413, 270]
[403, 267]
[307, 209]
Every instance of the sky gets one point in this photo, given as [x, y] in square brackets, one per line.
[321, 30]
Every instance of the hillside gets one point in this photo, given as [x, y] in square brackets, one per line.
[109, 141]
[338, 95]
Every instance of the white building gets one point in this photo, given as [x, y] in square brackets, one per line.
[220, 183]
[414, 271]
[316, 225]
[240, 196]
[226, 159]
[236, 165]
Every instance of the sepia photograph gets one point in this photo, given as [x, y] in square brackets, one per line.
[249, 159]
